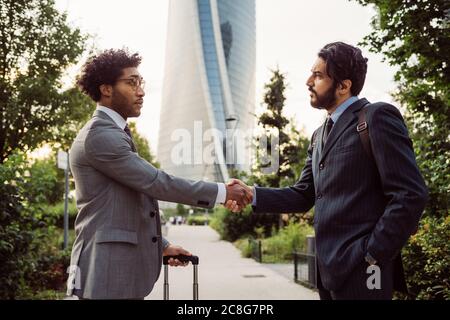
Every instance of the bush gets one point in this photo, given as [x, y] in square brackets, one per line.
[16, 225]
[245, 248]
[232, 226]
[280, 246]
[47, 183]
[197, 220]
[30, 250]
[49, 272]
[55, 213]
[426, 259]
[181, 210]
[46, 276]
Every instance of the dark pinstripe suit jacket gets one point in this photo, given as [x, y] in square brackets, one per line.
[361, 204]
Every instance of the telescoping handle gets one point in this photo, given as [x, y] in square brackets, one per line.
[181, 258]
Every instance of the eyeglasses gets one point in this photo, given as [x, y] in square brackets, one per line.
[135, 82]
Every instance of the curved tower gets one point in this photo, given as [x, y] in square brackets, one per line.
[209, 83]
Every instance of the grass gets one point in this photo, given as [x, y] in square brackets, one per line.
[279, 247]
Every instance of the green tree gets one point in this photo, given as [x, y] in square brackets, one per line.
[291, 145]
[181, 210]
[36, 47]
[142, 145]
[291, 152]
[415, 37]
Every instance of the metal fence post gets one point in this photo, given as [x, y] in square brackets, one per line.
[260, 251]
[311, 251]
[295, 266]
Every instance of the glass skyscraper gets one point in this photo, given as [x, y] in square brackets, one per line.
[209, 83]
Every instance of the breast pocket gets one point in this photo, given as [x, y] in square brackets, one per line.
[345, 149]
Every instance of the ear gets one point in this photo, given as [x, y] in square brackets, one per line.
[344, 87]
[106, 90]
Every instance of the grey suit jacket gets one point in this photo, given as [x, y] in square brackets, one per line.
[117, 253]
[362, 205]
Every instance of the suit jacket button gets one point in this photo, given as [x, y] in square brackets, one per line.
[154, 239]
[152, 214]
[319, 196]
[321, 166]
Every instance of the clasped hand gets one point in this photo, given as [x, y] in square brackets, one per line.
[239, 195]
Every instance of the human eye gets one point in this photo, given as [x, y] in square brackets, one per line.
[133, 82]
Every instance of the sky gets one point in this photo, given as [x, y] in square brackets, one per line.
[289, 33]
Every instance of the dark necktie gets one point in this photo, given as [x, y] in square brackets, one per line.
[128, 132]
[328, 125]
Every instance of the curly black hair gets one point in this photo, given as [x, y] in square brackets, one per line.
[105, 68]
[345, 62]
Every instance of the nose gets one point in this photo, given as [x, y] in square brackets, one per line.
[309, 81]
[140, 92]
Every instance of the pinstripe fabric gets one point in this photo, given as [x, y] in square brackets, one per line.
[361, 205]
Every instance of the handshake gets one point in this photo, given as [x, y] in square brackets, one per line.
[239, 195]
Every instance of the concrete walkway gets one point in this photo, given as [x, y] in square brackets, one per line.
[223, 273]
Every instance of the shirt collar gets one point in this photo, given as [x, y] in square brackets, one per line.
[121, 122]
[342, 107]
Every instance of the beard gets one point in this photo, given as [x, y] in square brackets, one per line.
[326, 100]
[121, 104]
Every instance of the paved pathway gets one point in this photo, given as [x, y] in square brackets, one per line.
[224, 274]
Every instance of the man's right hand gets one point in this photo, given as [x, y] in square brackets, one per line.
[239, 195]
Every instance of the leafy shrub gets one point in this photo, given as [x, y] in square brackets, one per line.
[16, 225]
[47, 183]
[197, 220]
[55, 213]
[30, 250]
[426, 259]
[280, 246]
[244, 246]
[232, 226]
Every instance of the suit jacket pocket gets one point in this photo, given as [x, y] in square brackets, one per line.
[116, 235]
[344, 149]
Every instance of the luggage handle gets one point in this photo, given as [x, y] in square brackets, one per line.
[182, 258]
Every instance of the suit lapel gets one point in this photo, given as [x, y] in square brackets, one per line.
[105, 116]
[319, 141]
[317, 147]
[341, 125]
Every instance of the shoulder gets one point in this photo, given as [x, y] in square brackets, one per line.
[315, 133]
[102, 132]
[385, 119]
[381, 111]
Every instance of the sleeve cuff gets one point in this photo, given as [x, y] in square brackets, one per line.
[254, 197]
[221, 193]
[165, 243]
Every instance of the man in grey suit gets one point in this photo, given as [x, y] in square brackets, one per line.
[366, 204]
[117, 253]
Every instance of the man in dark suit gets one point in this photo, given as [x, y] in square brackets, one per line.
[366, 206]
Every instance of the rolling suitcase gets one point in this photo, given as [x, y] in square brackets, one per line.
[182, 258]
